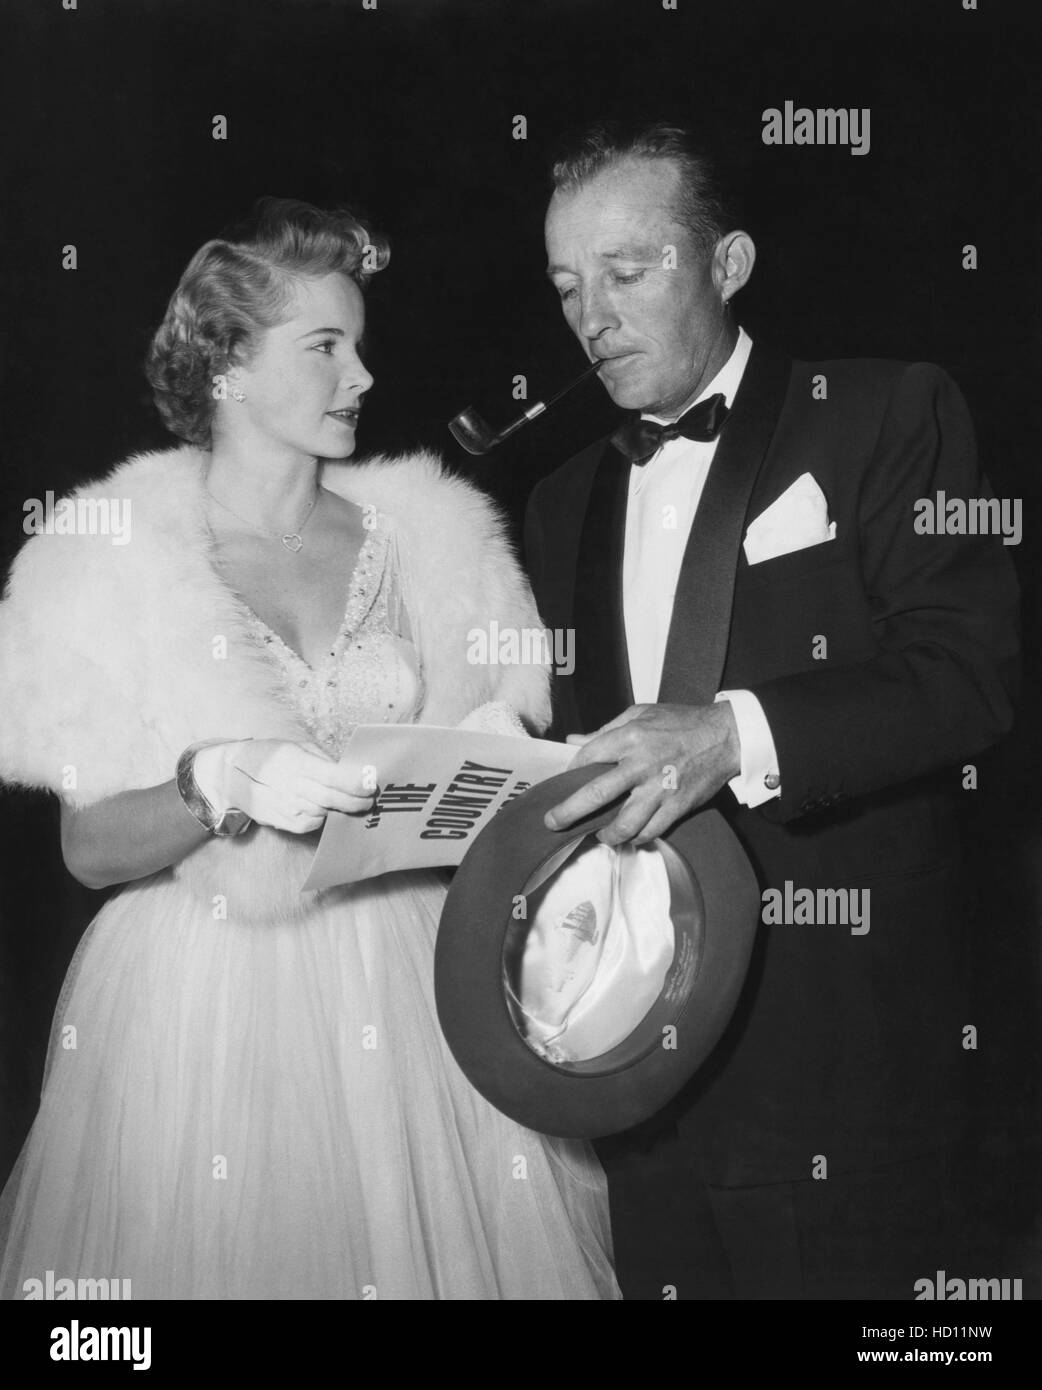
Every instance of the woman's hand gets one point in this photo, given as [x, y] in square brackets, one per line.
[290, 786]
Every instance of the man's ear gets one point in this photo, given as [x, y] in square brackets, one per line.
[733, 261]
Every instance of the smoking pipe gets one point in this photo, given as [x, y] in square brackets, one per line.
[477, 436]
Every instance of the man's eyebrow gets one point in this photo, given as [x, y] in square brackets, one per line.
[619, 253]
[633, 252]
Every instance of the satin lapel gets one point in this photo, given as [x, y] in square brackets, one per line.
[699, 629]
[602, 675]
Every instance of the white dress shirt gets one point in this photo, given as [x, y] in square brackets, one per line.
[663, 498]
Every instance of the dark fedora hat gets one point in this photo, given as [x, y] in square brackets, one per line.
[713, 908]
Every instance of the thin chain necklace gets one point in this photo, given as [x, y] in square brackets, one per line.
[292, 540]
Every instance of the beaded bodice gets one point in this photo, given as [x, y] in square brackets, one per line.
[371, 674]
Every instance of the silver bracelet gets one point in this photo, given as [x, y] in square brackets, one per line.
[214, 822]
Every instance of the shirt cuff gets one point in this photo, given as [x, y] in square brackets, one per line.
[759, 779]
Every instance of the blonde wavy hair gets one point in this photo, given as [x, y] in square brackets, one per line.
[236, 287]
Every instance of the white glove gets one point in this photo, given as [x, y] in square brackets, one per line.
[289, 786]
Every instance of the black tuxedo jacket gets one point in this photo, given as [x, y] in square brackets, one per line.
[847, 1046]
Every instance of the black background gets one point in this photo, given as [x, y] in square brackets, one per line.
[406, 113]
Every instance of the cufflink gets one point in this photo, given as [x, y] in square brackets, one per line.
[772, 781]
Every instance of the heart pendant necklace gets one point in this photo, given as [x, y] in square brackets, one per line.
[292, 540]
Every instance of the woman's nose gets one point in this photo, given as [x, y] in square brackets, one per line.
[358, 376]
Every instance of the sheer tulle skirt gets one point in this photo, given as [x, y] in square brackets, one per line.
[235, 1111]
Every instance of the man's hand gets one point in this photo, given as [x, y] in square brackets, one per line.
[670, 758]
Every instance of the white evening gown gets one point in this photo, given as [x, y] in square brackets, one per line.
[271, 1111]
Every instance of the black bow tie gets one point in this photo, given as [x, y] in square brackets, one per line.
[640, 439]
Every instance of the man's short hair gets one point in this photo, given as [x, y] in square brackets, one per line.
[703, 206]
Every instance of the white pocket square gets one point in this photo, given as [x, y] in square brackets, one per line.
[793, 521]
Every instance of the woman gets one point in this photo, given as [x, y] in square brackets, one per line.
[247, 1094]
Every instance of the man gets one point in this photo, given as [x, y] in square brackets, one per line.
[759, 623]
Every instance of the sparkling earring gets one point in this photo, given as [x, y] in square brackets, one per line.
[238, 394]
